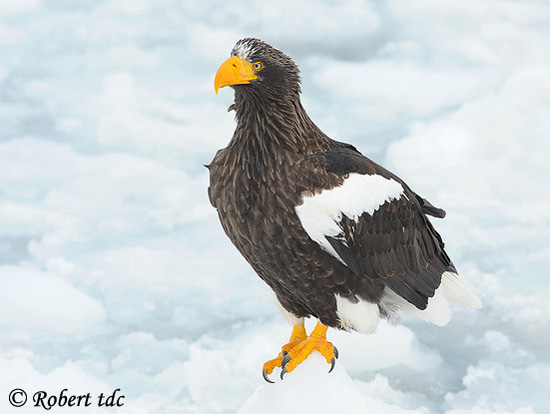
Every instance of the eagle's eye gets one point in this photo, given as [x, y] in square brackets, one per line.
[257, 66]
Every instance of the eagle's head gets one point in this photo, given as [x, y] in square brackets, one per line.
[258, 69]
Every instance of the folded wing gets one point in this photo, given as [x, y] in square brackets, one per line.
[377, 226]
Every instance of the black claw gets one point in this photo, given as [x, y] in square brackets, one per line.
[283, 372]
[332, 364]
[286, 360]
[264, 374]
[284, 353]
[335, 351]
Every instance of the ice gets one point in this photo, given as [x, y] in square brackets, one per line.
[305, 391]
[34, 303]
[116, 273]
[20, 7]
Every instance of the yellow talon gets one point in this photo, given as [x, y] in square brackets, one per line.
[299, 347]
[297, 336]
[317, 341]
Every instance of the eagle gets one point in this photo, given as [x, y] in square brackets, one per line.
[335, 235]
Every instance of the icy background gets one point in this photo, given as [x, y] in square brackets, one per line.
[115, 273]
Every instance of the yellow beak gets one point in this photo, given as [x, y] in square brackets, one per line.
[234, 71]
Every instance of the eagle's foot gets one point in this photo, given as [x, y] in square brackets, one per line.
[296, 338]
[317, 341]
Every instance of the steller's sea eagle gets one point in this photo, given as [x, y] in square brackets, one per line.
[335, 235]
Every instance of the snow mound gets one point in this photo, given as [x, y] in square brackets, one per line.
[310, 389]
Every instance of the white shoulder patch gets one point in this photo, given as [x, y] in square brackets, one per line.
[359, 194]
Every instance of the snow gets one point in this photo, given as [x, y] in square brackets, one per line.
[52, 296]
[117, 275]
[304, 391]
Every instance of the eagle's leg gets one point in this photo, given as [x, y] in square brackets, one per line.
[316, 341]
[297, 337]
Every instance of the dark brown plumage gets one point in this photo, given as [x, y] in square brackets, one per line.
[278, 158]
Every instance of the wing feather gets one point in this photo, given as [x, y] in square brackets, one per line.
[396, 244]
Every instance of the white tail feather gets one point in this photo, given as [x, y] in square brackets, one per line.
[452, 291]
[458, 292]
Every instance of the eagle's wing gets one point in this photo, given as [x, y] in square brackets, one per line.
[377, 226]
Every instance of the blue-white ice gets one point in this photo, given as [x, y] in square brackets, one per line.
[115, 273]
